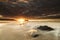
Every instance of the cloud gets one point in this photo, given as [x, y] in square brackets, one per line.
[34, 7]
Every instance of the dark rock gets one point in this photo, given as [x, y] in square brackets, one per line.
[45, 28]
[36, 35]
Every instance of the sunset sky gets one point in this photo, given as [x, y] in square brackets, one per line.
[30, 8]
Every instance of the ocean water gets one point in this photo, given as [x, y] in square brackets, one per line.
[17, 31]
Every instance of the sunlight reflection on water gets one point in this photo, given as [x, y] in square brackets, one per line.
[16, 30]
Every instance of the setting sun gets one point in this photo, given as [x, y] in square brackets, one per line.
[21, 21]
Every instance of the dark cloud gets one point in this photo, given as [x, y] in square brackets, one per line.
[41, 8]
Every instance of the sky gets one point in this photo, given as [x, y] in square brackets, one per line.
[30, 8]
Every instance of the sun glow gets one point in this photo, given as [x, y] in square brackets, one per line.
[21, 21]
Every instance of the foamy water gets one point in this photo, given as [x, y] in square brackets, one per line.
[17, 30]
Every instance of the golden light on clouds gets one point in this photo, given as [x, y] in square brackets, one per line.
[25, 1]
[1, 16]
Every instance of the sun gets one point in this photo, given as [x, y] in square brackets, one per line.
[21, 21]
